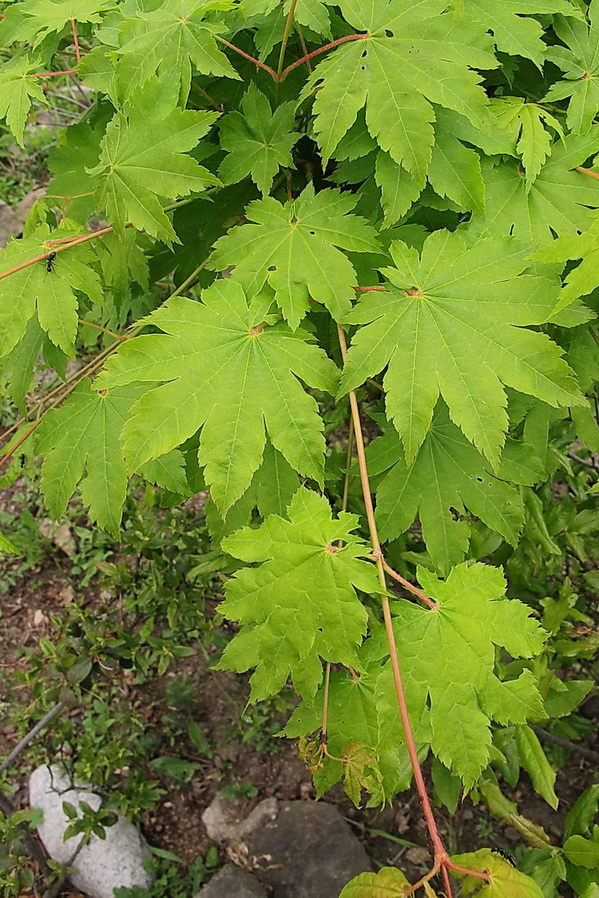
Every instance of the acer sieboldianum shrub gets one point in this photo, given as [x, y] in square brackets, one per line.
[253, 185]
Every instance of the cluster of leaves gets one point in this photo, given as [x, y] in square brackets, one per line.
[419, 176]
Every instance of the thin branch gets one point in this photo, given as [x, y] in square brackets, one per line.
[247, 56]
[440, 854]
[325, 704]
[54, 74]
[409, 586]
[76, 40]
[302, 41]
[587, 171]
[104, 330]
[40, 725]
[286, 33]
[308, 56]
[546, 736]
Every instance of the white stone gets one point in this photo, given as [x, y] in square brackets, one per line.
[103, 864]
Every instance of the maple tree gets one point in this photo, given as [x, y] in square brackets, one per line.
[253, 185]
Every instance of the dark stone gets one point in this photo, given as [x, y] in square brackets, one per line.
[308, 851]
[231, 882]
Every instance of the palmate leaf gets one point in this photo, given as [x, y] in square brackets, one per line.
[257, 141]
[143, 158]
[582, 279]
[447, 658]
[34, 20]
[447, 476]
[511, 23]
[557, 203]
[18, 89]
[84, 437]
[451, 322]
[175, 35]
[412, 55]
[506, 881]
[311, 13]
[293, 247]
[388, 882]
[300, 605]
[232, 374]
[270, 492]
[527, 124]
[52, 294]
[580, 64]
[355, 720]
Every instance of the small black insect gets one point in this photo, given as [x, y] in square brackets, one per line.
[50, 260]
[506, 856]
[22, 459]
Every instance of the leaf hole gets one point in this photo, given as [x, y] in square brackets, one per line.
[272, 268]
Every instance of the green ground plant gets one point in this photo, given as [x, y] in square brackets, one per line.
[334, 265]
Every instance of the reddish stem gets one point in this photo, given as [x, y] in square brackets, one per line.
[76, 40]
[409, 586]
[323, 49]
[440, 853]
[247, 56]
[73, 242]
[587, 171]
[54, 74]
[466, 871]
[379, 287]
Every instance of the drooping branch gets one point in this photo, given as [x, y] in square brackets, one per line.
[323, 49]
[441, 858]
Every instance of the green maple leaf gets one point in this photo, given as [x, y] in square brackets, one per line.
[583, 279]
[175, 35]
[506, 880]
[234, 375]
[52, 294]
[270, 491]
[38, 19]
[579, 61]
[526, 123]
[557, 203]
[84, 437]
[293, 247]
[6, 547]
[411, 56]
[512, 25]
[300, 605]
[447, 658]
[447, 475]
[454, 170]
[313, 14]
[388, 882]
[18, 88]
[143, 157]
[257, 142]
[451, 323]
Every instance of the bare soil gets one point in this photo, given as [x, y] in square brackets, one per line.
[245, 756]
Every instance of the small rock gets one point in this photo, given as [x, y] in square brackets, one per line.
[231, 882]
[28, 201]
[10, 223]
[307, 851]
[224, 820]
[102, 865]
[418, 856]
[60, 534]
